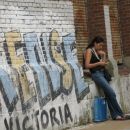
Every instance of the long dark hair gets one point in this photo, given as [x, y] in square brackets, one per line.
[97, 40]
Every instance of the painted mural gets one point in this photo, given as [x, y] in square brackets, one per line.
[34, 72]
[41, 81]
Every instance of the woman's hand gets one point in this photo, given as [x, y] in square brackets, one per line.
[102, 63]
[100, 52]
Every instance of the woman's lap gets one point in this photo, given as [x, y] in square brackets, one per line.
[99, 79]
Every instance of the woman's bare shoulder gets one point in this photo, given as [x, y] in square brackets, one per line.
[88, 50]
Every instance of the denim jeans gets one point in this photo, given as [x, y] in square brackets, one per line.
[100, 81]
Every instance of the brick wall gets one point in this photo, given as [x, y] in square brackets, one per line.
[41, 82]
[81, 26]
[115, 30]
[124, 14]
[94, 24]
[36, 15]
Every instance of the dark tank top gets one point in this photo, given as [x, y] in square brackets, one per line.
[94, 59]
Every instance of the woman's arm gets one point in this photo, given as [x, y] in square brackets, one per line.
[89, 65]
[102, 54]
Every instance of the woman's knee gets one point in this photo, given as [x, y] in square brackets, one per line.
[110, 94]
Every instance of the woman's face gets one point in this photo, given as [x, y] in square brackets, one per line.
[98, 46]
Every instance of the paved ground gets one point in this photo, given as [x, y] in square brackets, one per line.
[107, 125]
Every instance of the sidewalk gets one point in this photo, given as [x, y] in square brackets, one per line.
[107, 125]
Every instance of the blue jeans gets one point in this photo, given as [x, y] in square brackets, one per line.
[99, 79]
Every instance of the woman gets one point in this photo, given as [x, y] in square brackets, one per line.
[95, 61]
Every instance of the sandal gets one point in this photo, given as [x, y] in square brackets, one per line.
[119, 118]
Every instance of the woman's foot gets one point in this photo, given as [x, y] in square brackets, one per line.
[119, 118]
